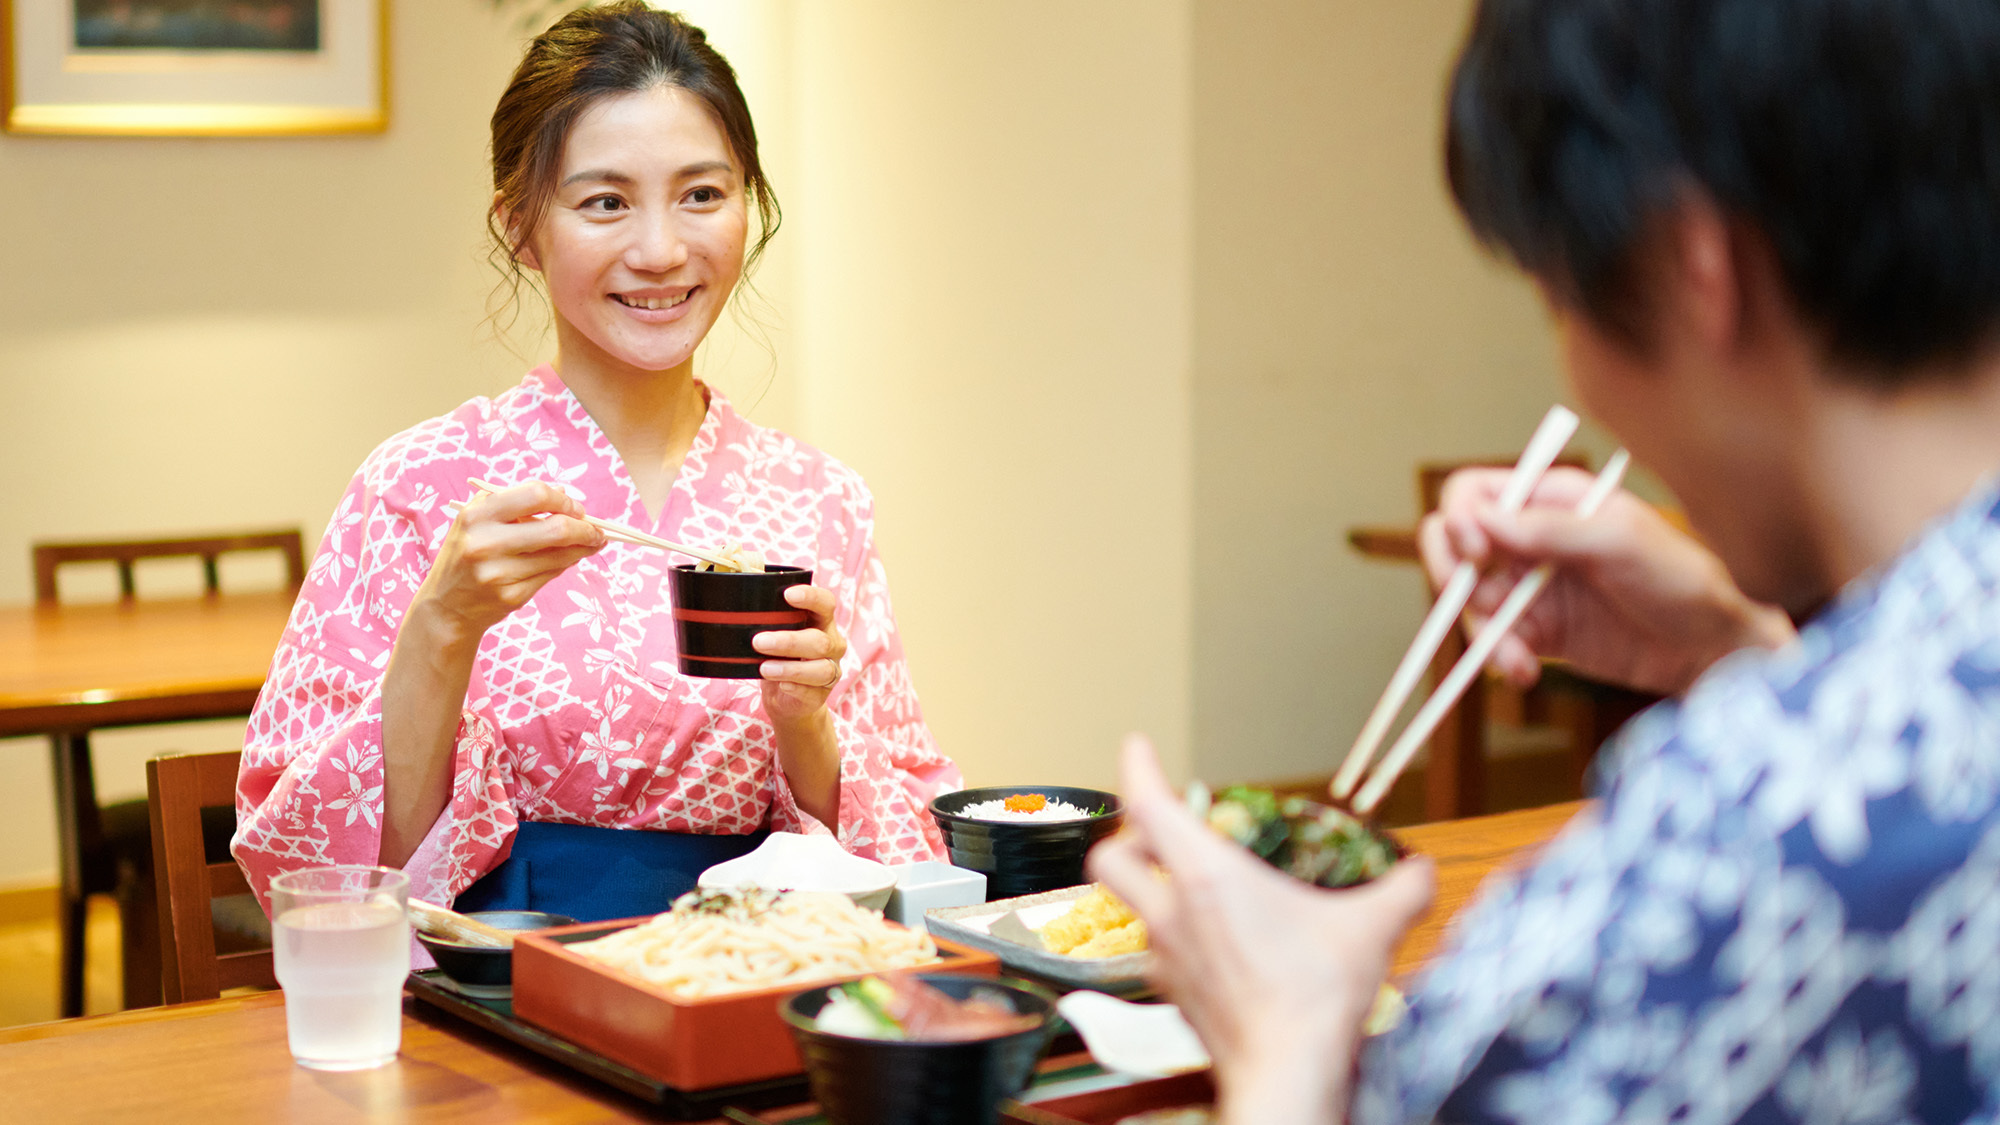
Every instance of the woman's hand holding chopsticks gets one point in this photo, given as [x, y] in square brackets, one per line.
[501, 548]
[1633, 600]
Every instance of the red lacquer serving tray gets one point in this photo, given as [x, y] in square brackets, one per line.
[687, 1044]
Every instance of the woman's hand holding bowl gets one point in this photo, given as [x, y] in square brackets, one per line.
[797, 685]
[796, 688]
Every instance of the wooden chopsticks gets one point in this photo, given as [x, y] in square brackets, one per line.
[616, 530]
[1541, 451]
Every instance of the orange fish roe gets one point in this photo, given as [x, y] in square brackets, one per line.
[1027, 802]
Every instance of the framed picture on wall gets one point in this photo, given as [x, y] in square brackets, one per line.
[194, 67]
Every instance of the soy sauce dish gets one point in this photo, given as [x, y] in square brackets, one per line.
[482, 969]
[1026, 839]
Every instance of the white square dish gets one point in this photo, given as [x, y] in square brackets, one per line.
[931, 885]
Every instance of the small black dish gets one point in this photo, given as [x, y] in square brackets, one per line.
[1025, 857]
[483, 967]
[859, 1081]
[716, 612]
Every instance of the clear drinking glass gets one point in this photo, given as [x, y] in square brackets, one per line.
[341, 938]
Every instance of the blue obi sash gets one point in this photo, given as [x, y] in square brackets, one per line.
[592, 874]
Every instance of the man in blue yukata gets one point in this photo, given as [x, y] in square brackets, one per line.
[1769, 233]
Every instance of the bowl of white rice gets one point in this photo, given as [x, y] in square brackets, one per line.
[1026, 839]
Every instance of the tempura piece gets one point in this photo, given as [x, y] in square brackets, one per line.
[1128, 938]
[1096, 913]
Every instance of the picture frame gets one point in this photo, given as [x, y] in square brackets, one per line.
[201, 68]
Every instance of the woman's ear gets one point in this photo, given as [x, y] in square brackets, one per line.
[510, 230]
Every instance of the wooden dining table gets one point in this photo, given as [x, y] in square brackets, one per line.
[93, 665]
[69, 669]
[226, 1060]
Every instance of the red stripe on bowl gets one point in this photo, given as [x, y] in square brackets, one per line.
[721, 617]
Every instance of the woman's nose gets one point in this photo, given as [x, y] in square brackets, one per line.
[657, 248]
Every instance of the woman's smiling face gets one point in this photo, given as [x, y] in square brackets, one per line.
[643, 239]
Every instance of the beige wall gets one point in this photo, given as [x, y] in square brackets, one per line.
[1092, 294]
[994, 243]
[1345, 328]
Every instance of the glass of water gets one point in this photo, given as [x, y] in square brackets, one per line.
[341, 939]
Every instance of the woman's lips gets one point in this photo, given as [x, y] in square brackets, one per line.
[654, 304]
[655, 310]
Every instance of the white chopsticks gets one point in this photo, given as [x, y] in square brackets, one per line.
[615, 530]
[1541, 452]
[1556, 428]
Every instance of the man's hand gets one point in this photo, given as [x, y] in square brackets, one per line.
[1275, 975]
[1634, 601]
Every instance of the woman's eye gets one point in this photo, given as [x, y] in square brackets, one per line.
[604, 204]
[705, 195]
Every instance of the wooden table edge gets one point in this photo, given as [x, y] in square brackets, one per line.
[94, 710]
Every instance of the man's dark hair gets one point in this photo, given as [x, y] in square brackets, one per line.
[1860, 137]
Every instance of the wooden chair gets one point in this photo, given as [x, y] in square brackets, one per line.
[49, 556]
[107, 850]
[190, 876]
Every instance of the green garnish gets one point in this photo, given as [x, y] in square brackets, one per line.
[1307, 840]
[871, 997]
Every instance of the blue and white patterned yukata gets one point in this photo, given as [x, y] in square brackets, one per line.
[1785, 905]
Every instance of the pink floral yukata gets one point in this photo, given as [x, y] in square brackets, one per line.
[575, 713]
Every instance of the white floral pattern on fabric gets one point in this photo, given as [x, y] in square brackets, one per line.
[575, 713]
[1784, 907]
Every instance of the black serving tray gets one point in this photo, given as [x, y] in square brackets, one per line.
[497, 1016]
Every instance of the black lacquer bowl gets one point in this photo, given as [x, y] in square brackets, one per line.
[481, 966]
[1026, 857]
[859, 1081]
[716, 612]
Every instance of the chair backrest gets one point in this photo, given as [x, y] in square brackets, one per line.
[180, 786]
[49, 556]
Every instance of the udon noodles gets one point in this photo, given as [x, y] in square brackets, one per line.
[716, 942]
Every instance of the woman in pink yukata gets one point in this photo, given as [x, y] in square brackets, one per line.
[489, 700]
